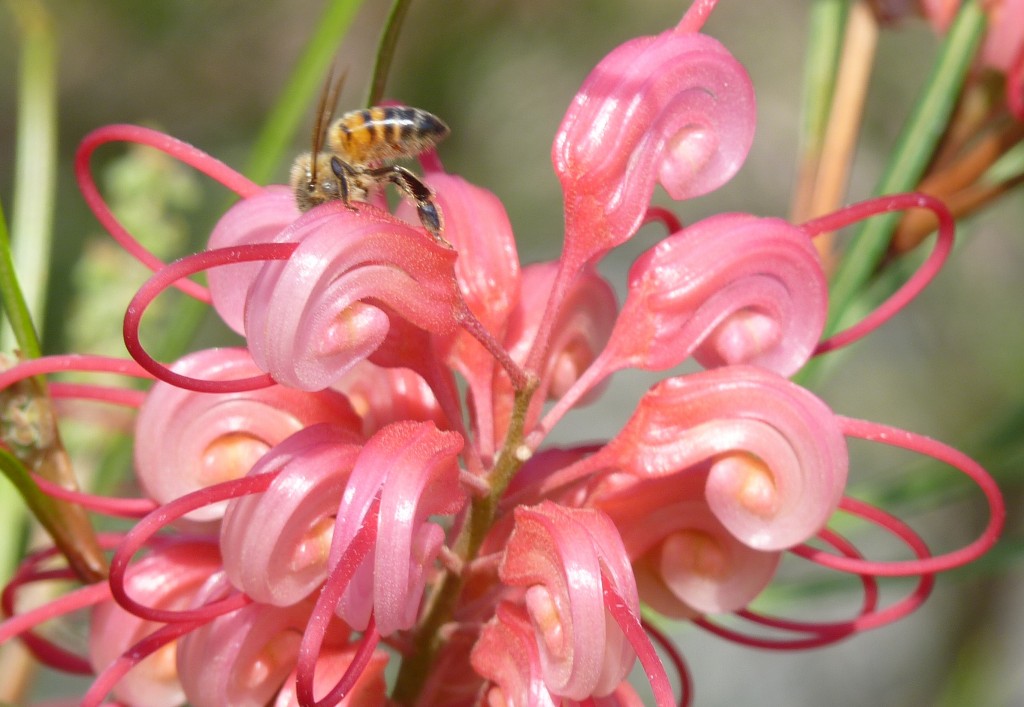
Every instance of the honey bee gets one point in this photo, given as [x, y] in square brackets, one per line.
[360, 145]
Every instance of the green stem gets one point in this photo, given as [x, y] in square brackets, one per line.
[913, 152]
[910, 159]
[34, 189]
[824, 43]
[386, 51]
[28, 253]
[429, 639]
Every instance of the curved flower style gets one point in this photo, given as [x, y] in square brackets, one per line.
[365, 481]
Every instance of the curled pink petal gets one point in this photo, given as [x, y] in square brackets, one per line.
[477, 226]
[168, 578]
[275, 545]
[1004, 42]
[412, 466]
[369, 689]
[261, 218]
[241, 658]
[311, 318]
[385, 395]
[778, 458]
[487, 270]
[558, 554]
[187, 440]
[729, 289]
[684, 559]
[506, 654]
[733, 289]
[676, 108]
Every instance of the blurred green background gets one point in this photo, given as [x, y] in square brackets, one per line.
[502, 74]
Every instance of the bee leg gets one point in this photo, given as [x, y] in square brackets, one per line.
[419, 192]
[343, 172]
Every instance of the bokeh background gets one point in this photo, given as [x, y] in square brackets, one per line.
[502, 75]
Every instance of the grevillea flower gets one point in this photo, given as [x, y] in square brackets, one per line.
[366, 483]
[402, 462]
[676, 109]
[563, 557]
[187, 440]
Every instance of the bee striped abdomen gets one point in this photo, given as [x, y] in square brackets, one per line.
[384, 133]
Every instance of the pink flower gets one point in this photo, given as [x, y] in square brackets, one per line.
[411, 466]
[778, 460]
[187, 440]
[562, 558]
[676, 108]
[311, 318]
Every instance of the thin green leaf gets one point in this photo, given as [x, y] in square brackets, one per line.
[295, 101]
[35, 168]
[13, 300]
[386, 51]
[913, 152]
[824, 42]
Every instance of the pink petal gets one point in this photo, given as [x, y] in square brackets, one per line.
[778, 456]
[731, 289]
[369, 690]
[311, 318]
[241, 658]
[675, 108]
[412, 466]
[385, 395]
[558, 555]
[275, 545]
[186, 440]
[167, 578]
[685, 560]
[262, 218]
[506, 654]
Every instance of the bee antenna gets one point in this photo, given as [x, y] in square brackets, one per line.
[324, 111]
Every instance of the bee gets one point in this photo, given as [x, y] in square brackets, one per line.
[360, 145]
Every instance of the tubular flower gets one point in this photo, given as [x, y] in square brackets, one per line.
[778, 459]
[676, 108]
[562, 557]
[686, 562]
[187, 440]
[402, 463]
[167, 578]
[367, 483]
[309, 319]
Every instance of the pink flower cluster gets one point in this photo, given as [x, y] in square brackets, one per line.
[328, 498]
